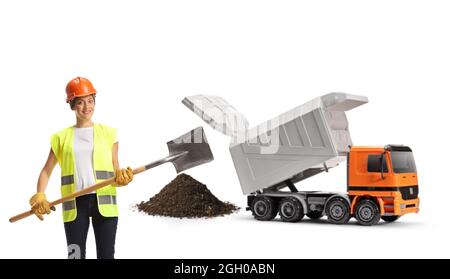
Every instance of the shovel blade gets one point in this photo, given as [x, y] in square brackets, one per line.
[195, 148]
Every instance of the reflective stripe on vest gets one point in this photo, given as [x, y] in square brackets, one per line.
[69, 179]
[62, 147]
[69, 205]
[104, 174]
[107, 200]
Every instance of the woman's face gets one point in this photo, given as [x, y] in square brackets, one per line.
[84, 107]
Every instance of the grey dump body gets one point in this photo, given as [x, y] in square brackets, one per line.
[295, 145]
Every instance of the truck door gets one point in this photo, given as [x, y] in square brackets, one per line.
[369, 169]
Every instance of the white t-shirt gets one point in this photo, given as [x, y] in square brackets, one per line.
[83, 149]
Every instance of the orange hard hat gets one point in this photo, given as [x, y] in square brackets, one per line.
[79, 87]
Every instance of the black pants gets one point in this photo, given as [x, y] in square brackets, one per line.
[77, 230]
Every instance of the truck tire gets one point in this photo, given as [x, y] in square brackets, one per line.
[390, 218]
[367, 212]
[263, 208]
[338, 211]
[314, 215]
[291, 210]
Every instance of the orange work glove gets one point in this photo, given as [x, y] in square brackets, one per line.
[40, 205]
[123, 176]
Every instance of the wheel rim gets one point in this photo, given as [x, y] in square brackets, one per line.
[260, 208]
[287, 209]
[365, 213]
[337, 211]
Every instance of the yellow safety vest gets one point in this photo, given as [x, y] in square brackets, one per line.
[62, 146]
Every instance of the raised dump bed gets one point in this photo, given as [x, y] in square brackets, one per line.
[295, 145]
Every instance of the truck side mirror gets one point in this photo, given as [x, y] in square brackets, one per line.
[382, 165]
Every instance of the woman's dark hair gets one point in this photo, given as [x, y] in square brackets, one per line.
[74, 101]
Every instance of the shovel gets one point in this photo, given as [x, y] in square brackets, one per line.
[185, 152]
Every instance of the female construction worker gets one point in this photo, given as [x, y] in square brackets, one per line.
[87, 154]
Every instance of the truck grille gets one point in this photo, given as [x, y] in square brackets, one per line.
[409, 192]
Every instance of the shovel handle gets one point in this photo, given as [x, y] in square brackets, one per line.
[99, 185]
[66, 198]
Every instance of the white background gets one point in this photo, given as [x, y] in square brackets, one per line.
[264, 57]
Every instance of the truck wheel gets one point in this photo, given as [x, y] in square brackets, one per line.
[291, 210]
[263, 208]
[367, 212]
[338, 211]
[314, 215]
[390, 218]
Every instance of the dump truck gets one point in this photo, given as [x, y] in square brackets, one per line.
[308, 140]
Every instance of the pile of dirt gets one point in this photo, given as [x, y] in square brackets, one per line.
[186, 197]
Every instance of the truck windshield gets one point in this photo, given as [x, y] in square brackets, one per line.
[403, 161]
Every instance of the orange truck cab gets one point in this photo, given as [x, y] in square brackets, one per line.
[382, 183]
